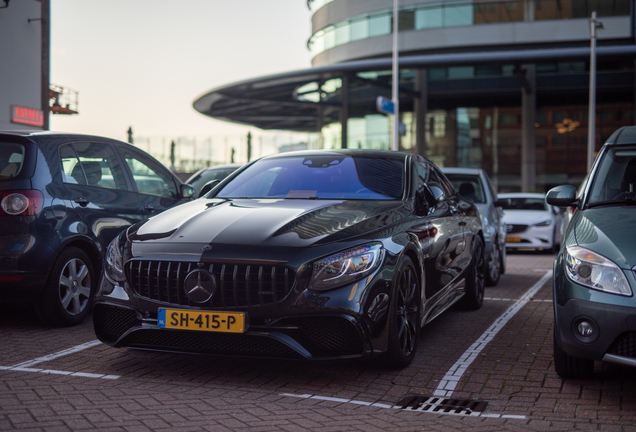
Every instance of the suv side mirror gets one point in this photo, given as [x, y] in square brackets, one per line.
[208, 187]
[562, 196]
[187, 191]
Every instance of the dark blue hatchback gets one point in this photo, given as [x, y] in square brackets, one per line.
[63, 198]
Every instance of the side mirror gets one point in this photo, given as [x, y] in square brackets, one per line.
[436, 192]
[503, 203]
[562, 196]
[187, 191]
[208, 187]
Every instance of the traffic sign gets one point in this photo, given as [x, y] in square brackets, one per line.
[385, 105]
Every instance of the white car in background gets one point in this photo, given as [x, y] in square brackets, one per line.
[532, 223]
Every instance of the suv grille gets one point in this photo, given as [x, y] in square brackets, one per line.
[238, 285]
[624, 345]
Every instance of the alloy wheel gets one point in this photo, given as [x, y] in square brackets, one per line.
[407, 311]
[74, 286]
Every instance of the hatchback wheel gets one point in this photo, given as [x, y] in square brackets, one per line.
[567, 366]
[474, 297]
[69, 291]
[493, 267]
[404, 317]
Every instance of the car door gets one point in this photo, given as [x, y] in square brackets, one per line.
[98, 190]
[445, 219]
[156, 187]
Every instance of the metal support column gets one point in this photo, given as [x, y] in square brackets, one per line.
[45, 13]
[344, 112]
[420, 104]
[528, 132]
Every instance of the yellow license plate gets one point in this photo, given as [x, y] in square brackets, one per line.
[226, 322]
[510, 239]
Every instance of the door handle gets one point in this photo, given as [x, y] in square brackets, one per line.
[462, 223]
[150, 207]
[82, 201]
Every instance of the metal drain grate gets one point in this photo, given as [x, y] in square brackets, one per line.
[442, 405]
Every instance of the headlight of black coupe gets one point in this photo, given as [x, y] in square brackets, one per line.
[114, 263]
[346, 266]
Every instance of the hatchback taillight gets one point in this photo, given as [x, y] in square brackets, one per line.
[21, 203]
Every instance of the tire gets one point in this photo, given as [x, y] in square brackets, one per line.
[69, 291]
[567, 366]
[475, 283]
[404, 317]
[493, 265]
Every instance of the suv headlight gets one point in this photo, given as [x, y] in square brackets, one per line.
[595, 271]
[346, 266]
[114, 263]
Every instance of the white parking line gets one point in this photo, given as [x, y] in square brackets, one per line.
[58, 372]
[381, 405]
[58, 354]
[507, 299]
[454, 374]
[26, 366]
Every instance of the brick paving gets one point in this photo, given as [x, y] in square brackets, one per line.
[162, 391]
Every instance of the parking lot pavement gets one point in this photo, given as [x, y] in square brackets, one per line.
[494, 364]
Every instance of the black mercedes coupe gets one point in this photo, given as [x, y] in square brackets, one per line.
[321, 255]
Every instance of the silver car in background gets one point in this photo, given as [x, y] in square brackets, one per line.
[476, 186]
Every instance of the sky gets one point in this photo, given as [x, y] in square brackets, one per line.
[141, 63]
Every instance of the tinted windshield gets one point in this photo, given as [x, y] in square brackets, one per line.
[330, 176]
[11, 158]
[527, 204]
[468, 186]
[615, 179]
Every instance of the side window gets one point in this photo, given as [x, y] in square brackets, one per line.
[150, 178]
[449, 189]
[434, 179]
[71, 168]
[92, 164]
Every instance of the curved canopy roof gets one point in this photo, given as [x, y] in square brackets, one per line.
[275, 102]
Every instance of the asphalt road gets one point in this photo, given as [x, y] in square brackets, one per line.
[485, 370]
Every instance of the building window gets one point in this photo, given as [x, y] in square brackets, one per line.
[453, 13]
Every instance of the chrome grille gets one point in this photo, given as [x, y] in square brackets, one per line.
[238, 285]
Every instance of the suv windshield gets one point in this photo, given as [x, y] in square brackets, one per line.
[328, 176]
[11, 158]
[615, 178]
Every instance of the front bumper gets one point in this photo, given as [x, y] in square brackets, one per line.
[306, 324]
[614, 337]
[312, 337]
[612, 318]
[532, 238]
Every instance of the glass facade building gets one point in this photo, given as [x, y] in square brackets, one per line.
[482, 83]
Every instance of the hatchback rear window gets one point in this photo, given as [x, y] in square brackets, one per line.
[11, 160]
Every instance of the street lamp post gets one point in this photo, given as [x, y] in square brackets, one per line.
[591, 116]
[396, 79]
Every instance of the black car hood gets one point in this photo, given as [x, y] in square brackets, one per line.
[609, 231]
[268, 222]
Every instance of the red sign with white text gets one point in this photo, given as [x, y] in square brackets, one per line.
[27, 116]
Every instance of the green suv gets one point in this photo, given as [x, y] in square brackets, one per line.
[594, 272]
